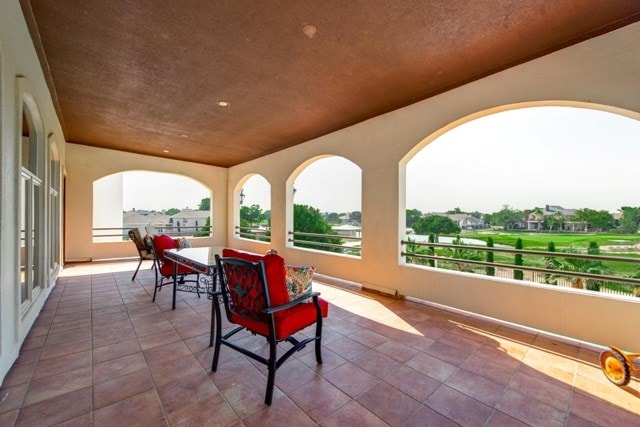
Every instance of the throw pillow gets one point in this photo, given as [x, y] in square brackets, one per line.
[299, 280]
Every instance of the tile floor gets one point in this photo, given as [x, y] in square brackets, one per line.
[101, 353]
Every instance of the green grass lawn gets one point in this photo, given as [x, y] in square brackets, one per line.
[622, 245]
[562, 240]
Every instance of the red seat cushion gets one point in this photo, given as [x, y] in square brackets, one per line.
[289, 322]
[275, 270]
[160, 243]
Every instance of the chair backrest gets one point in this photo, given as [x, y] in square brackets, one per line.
[244, 286]
[151, 230]
[139, 240]
[274, 267]
[160, 243]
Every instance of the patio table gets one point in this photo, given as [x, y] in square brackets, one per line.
[200, 260]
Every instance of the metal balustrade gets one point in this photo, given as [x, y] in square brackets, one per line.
[343, 247]
[605, 283]
[174, 231]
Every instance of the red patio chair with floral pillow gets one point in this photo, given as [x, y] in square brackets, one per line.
[255, 298]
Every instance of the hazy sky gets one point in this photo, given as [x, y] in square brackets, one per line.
[523, 158]
[160, 191]
[528, 158]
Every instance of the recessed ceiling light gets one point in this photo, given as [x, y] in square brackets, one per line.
[184, 136]
[165, 151]
[223, 103]
[309, 31]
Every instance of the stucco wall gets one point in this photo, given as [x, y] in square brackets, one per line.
[18, 58]
[87, 164]
[601, 73]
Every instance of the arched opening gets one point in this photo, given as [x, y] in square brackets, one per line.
[172, 204]
[326, 207]
[254, 209]
[549, 178]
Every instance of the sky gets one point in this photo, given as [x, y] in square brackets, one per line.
[160, 191]
[523, 158]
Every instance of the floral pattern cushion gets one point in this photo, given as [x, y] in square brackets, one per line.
[299, 280]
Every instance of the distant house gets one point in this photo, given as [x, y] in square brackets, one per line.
[536, 218]
[142, 218]
[464, 220]
[348, 230]
[188, 221]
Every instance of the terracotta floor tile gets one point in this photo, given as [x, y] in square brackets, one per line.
[547, 391]
[330, 361]
[497, 372]
[431, 366]
[293, 374]
[60, 364]
[29, 356]
[351, 379]
[425, 416]
[83, 420]
[204, 413]
[165, 353]
[137, 410]
[368, 338]
[53, 411]
[376, 363]
[113, 351]
[348, 348]
[175, 369]
[19, 374]
[123, 387]
[447, 353]
[187, 391]
[65, 348]
[281, 411]
[476, 386]
[114, 368]
[70, 335]
[388, 403]
[55, 385]
[156, 340]
[500, 419]
[530, 411]
[396, 350]
[411, 382]
[8, 418]
[237, 370]
[12, 397]
[458, 407]
[319, 399]
[598, 412]
[248, 397]
[353, 414]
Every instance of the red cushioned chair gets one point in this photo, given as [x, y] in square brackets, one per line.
[166, 272]
[255, 298]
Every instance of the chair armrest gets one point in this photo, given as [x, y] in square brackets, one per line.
[301, 299]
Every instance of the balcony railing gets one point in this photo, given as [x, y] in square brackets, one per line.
[327, 242]
[113, 234]
[585, 272]
[254, 233]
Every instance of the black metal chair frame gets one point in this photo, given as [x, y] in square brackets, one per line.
[180, 281]
[273, 362]
[141, 246]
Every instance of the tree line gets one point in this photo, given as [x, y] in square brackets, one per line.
[513, 219]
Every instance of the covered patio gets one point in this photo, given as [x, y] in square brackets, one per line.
[101, 353]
